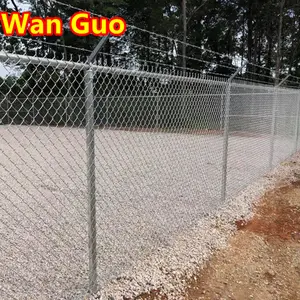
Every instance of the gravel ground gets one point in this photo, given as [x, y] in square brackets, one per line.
[158, 201]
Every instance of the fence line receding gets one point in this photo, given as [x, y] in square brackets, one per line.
[101, 164]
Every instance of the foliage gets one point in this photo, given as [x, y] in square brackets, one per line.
[247, 29]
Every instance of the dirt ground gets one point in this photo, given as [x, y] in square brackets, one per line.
[262, 260]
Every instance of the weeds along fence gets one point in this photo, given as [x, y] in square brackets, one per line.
[103, 165]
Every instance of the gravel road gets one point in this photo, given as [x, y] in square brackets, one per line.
[150, 188]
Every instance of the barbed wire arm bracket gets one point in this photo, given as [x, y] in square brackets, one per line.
[96, 50]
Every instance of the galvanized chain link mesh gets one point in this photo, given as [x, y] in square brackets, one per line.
[102, 165]
[254, 146]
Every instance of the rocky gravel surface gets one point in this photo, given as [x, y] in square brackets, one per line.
[159, 210]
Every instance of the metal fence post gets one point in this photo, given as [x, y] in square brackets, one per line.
[91, 187]
[226, 132]
[221, 111]
[297, 124]
[273, 128]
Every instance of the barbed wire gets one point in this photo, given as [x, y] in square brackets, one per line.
[259, 74]
[175, 42]
[145, 47]
[182, 56]
[150, 64]
[251, 81]
[159, 67]
[143, 30]
[259, 66]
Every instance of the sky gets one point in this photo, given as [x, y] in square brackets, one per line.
[23, 6]
[4, 71]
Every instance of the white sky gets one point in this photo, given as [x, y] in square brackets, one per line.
[22, 6]
[4, 71]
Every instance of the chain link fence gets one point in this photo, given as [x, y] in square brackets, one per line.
[101, 165]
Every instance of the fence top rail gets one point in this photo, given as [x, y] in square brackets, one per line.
[189, 76]
[264, 89]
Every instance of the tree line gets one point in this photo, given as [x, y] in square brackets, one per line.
[264, 32]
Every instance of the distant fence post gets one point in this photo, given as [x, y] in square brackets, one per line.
[297, 123]
[221, 111]
[91, 187]
[273, 128]
[226, 132]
